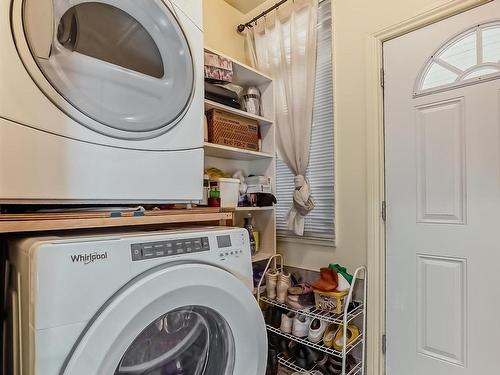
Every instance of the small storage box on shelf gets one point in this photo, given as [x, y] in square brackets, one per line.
[253, 162]
[345, 317]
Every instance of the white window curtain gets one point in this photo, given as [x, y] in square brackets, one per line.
[320, 223]
[283, 45]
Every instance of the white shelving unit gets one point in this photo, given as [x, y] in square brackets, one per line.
[352, 313]
[230, 159]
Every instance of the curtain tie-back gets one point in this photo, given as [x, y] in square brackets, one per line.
[302, 199]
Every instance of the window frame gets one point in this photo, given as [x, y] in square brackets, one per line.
[461, 81]
[289, 237]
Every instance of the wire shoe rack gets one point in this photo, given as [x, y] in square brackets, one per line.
[350, 313]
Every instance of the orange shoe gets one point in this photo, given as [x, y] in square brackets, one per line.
[328, 281]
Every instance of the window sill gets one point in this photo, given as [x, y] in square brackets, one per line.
[326, 242]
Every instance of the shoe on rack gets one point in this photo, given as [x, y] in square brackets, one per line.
[285, 349]
[300, 326]
[293, 348]
[350, 363]
[276, 317]
[274, 339]
[312, 356]
[353, 306]
[328, 281]
[301, 358]
[284, 282]
[301, 301]
[268, 314]
[287, 322]
[271, 281]
[330, 333]
[321, 363]
[317, 329]
[352, 335]
[333, 366]
[299, 289]
[272, 361]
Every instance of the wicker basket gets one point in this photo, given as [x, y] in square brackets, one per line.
[330, 301]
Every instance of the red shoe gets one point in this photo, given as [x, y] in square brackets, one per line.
[328, 281]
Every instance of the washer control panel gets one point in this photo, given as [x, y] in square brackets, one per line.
[231, 246]
[151, 250]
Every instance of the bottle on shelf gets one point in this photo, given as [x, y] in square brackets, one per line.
[249, 227]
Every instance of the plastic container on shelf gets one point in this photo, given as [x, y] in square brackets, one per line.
[330, 301]
[229, 189]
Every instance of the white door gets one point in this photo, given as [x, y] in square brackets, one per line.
[189, 319]
[442, 105]
[112, 65]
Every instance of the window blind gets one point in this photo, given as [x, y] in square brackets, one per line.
[320, 222]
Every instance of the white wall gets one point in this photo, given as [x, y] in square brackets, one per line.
[353, 21]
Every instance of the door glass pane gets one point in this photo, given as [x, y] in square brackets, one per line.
[188, 341]
[127, 67]
[438, 76]
[491, 45]
[463, 53]
[107, 33]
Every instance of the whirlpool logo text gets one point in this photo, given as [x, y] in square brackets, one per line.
[89, 258]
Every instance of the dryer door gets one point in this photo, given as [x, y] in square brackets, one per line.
[123, 68]
[190, 319]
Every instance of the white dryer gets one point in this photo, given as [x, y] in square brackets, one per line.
[144, 303]
[101, 101]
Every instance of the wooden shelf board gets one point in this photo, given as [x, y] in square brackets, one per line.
[262, 255]
[244, 209]
[209, 104]
[63, 221]
[226, 152]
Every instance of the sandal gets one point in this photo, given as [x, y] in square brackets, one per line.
[352, 335]
[330, 333]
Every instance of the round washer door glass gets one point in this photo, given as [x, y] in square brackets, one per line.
[126, 65]
[191, 340]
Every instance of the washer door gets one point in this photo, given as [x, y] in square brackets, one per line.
[120, 67]
[190, 319]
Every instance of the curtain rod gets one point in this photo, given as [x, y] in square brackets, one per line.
[242, 26]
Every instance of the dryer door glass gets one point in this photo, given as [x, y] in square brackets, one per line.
[188, 341]
[125, 64]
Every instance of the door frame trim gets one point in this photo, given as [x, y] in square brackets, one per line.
[376, 250]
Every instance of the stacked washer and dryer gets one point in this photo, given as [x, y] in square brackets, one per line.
[101, 102]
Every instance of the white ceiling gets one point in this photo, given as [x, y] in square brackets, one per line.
[245, 6]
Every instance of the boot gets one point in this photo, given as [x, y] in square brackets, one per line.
[271, 281]
[284, 282]
[328, 280]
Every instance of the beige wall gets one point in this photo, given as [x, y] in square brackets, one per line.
[353, 21]
[220, 21]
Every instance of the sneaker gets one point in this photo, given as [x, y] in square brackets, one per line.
[284, 282]
[300, 326]
[316, 330]
[287, 322]
[271, 281]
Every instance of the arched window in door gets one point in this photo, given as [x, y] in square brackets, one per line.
[470, 57]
